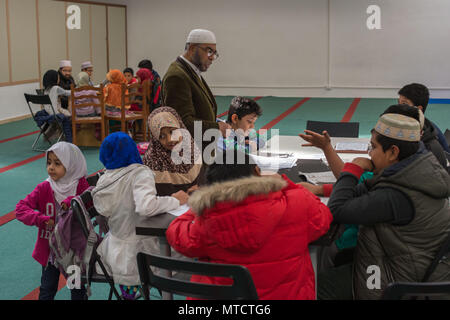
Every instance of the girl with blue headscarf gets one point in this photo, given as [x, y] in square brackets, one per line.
[125, 193]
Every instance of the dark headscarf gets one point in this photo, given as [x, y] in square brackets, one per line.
[50, 79]
[119, 150]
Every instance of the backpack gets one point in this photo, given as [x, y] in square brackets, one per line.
[69, 246]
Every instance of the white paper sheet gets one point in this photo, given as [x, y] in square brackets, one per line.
[274, 163]
[356, 146]
[311, 156]
[320, 177]
[180, 210]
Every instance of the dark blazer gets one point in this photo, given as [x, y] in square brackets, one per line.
[190, 96]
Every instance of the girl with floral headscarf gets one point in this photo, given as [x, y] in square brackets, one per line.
[124, 194]
[172, 153]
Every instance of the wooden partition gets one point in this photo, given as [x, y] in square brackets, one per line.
[34, 37]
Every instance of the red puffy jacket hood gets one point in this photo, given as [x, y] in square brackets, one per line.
[233, 211]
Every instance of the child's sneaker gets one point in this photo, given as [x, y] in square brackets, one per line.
[129, 292]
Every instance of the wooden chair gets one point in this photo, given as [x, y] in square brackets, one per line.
[78, 103]
[131, 95]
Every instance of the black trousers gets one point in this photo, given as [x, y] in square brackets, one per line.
[335, 283]
[49, 285]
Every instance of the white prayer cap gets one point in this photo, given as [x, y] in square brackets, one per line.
[65, 63]
[86, 64]
[201, 36]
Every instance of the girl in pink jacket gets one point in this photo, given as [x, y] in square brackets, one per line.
[66, 167]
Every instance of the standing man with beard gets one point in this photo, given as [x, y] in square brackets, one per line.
[184, 88]
[65, 80]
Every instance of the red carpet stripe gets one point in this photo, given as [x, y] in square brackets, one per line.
[351, 110]
[7, 218]
[283, 115]
[21, 163]
[222, 114]
[21, 136]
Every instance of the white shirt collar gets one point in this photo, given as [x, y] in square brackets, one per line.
[197, 71]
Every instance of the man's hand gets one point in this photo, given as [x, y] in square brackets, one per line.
[223, 126]
[365, 163]
[64, 206]
[315, 189]
[321, 141]
[181, 196]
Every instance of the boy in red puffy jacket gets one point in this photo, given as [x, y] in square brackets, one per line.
[264, 223]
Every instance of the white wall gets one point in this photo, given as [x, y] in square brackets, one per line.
[12, 100]
[315, 48]
[302, 47]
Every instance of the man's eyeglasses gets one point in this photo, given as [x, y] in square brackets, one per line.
[210, 52]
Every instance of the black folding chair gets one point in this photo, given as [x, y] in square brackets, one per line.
[335, 129]
[447, 136]
[43, 100]
[92, 180]
[40, 92]
[399, 290]
[447, 155]
[242, 288]
[93, 276]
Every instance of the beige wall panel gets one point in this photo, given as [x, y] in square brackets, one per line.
[79, 47]
[52, 34]
[24, 49]
[4, 70]
[99, 43]
[117, 38]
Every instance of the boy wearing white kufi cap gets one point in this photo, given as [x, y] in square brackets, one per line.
[88, 68]
[402, 212]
